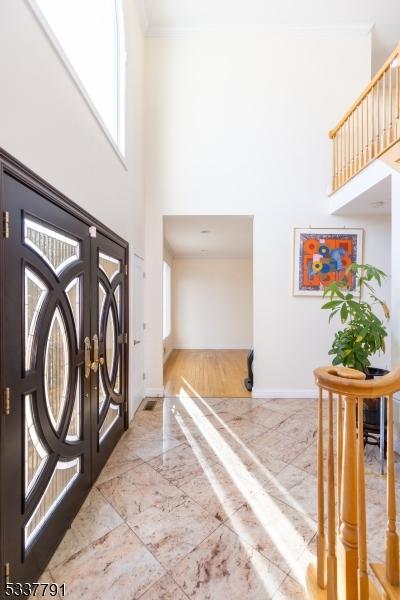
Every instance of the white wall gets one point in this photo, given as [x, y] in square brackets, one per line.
[237, 123]
[212, 302]
[45, 123]
[395, 281]
[168, 342]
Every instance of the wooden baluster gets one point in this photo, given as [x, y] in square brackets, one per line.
[372, 154]
[331, 559]
[344, 129]
[354, 142]
[392, 538]
[377, 130]
[321, 571]
[367, 134]
[334, 181]
[341, 155]
[397, 109]
[390, 107]
[348, 152]
[362, 162]
[339, 451]
[337, 140]
[348, 538]
[384, 112]
[363, 585]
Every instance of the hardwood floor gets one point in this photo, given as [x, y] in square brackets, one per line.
[208, 373]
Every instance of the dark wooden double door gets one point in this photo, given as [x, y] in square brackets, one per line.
[63, 367]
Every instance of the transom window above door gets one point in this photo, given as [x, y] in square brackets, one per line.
[89, 36]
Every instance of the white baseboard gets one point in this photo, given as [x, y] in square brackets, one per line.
[154, 392]
[214, 347]
[269, 394]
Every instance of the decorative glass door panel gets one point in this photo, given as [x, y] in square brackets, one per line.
[109, 267]
[62, 365]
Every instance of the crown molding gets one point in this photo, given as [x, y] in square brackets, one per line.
[212, 256]
[153, 31]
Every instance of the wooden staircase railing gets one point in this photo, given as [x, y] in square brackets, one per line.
[371, 126]
[341, 571]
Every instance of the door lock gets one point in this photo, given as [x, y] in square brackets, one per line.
[97, 360]
[88, 362]
[136, 342]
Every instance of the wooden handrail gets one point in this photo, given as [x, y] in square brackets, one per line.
[371, 126]
[341, 571]
[366, 91]
[349, 382]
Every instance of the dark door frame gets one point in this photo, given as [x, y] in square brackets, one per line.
[11, 166]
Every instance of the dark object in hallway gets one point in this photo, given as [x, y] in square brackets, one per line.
[372, 412]
[248, 382]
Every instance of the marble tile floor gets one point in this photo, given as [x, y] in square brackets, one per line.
[208, 499]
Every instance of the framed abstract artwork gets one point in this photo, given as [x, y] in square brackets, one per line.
[322, 256]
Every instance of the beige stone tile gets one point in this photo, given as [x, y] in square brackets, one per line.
[225, 567]
[148, 447]
[120, 461]
[307, 460]
[297, 488]
[273, 528]
[216, 492]
[300, 426]
[117, 565]
[164, 589]
[170, 534]
[154, 426]
[291, 590]
[238, 406]
[273, 444]
[181, 464]
[200, 425]
[257, 457]
[291, 405]
[267, 417]
[139, 489]
[185, 406]
[241, 429]
[96, 518]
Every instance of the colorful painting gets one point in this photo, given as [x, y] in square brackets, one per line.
[322, 256]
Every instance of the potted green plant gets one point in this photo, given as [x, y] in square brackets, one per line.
[354, 301]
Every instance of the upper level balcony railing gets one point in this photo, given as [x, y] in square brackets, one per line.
[371, 126]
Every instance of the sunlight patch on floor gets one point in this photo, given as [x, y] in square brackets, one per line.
[256, 461]
[250, 489]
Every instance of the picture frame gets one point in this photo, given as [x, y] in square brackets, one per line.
[321, 255]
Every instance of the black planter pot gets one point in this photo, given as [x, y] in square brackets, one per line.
[372, 411]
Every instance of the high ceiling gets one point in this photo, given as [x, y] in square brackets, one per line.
[209, 236]
[163, 16]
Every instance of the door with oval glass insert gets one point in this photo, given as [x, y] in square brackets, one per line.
[58, 427]
[109, 347]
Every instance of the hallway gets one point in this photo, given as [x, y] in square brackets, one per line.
[209, 373]
[205, 499]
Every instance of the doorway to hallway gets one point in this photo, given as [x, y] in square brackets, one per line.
[208, 373]
[207, 305]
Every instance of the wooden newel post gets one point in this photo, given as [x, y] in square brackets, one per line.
[392, 538]
[347, 551]
[321, 557]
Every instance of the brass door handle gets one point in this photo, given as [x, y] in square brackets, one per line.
[97, 360]
[88, 362]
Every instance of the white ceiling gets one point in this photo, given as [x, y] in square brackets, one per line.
[162, 16]
[375, 201]
[229, 237]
